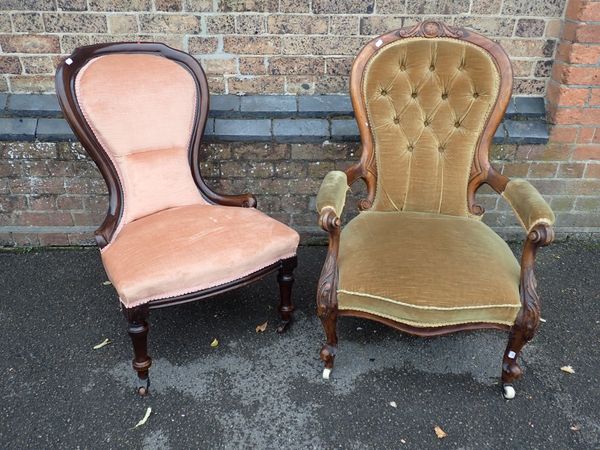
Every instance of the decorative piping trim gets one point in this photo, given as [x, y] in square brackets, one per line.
[435, 308]
[425, 324]
[199, 288]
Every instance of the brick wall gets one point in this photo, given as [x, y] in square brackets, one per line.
[263, 46]
[574, 108]
[52, 194]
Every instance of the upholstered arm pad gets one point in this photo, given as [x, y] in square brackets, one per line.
[528, 204]
[332, 193]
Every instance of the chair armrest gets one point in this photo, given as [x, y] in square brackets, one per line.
[332, 193]
[529, 206]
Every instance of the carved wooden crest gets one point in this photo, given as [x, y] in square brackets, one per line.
[431, 29]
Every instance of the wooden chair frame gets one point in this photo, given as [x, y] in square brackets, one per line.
[482, 172]
[137, 316]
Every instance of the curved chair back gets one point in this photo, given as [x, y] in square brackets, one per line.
[428, 100]
[139, 109]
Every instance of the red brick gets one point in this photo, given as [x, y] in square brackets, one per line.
[594, 97]
[81, 238]
[87, 218]
[69, 202]
[37, 186]
[579, 32]
[586, 135]
[578, 53]
[48, 218]
[566, 96]
[12, 203]
[587, 152]
[563, 134]
[582, 187]
[42, 203]
[50, 239]
[567, 74]
[550, 152]
[583, 10]
[575, 116]
[26, 239]
[592, 170]
[519, 169]
[542, 170]
[571, 170]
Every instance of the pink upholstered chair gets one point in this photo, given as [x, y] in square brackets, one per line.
[139, 110]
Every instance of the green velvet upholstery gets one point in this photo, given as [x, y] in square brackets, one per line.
[418, 256]
[527, 203]
[332, 193]
[427, 270]
[427, 103]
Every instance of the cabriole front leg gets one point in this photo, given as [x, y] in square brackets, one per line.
[285, 278]
[528, 319]
[138, 331]
[327, 305]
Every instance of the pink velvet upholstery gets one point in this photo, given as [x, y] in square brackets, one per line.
[190, 248]
[141, 109]
[170, 241]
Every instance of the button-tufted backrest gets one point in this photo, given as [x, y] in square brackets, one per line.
[427, 102]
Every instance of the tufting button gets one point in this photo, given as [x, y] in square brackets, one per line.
[396, 120]
[426, 123]
[431, 68]
[413, 95]
[475, 94]
[444, 96]
[383, 92]
[441, 149]
[410, 148]
[457, 124]
[402, 67]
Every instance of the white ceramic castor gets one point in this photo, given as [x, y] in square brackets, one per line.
[508, 391]
[326, 373]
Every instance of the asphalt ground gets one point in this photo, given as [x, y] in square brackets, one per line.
[264, 390]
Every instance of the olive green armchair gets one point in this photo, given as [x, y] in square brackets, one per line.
[428, 100]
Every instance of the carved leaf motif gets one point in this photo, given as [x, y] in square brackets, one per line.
[431, 29]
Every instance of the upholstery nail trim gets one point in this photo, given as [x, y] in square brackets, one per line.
[199, 288]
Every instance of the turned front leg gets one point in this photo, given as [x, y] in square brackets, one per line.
[138, 331]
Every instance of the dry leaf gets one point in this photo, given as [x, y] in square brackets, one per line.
[393, 404]
[214, 343]
[145, 418]
[101, 344]
[261, 328]
[567, 369]
[575, 427]
[441, 434]
[106, 283]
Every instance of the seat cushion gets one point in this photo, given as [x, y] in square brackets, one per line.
[191, 248]
[427, 270]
